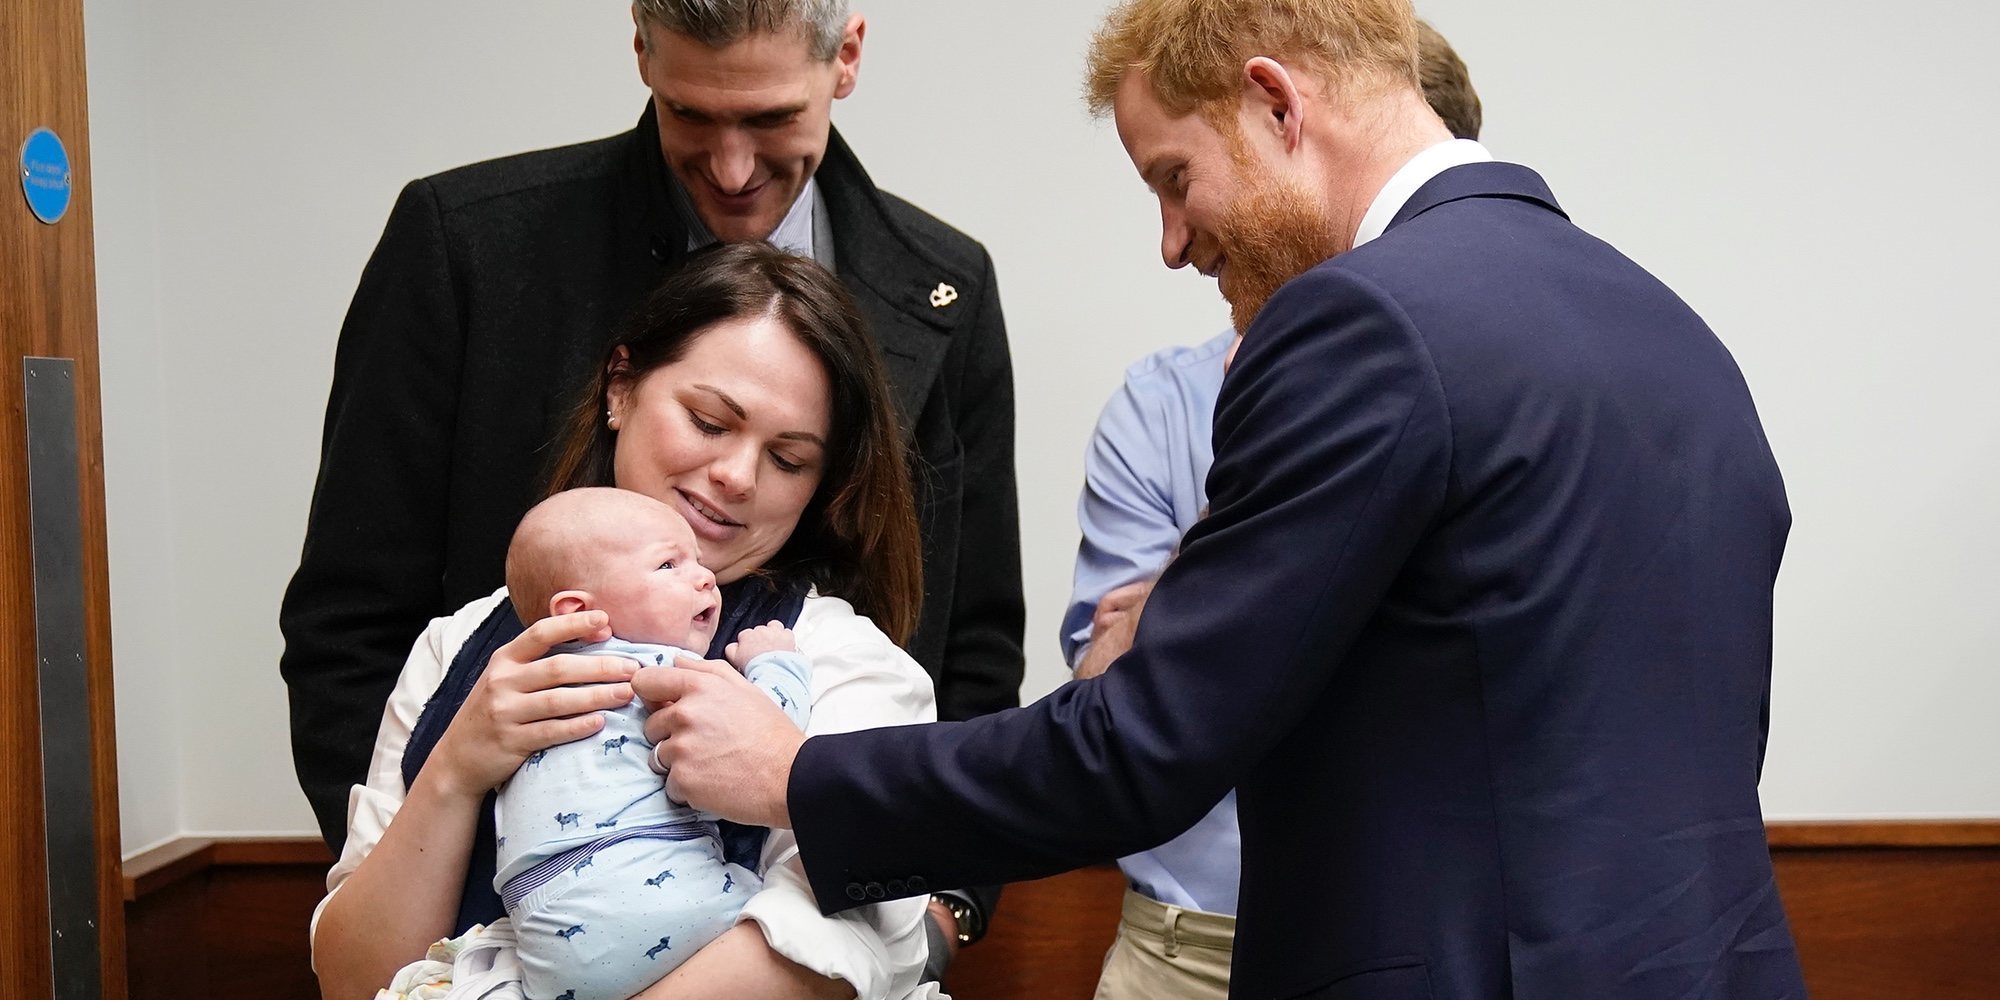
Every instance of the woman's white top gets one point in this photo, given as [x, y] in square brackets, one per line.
[860, 680]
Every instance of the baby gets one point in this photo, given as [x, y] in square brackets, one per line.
[611, 885]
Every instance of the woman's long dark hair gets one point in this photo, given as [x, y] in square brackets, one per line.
[858, 537]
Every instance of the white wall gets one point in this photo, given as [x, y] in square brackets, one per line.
[136, 448]
[1805, 174]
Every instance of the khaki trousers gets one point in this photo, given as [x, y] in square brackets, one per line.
[1167, 953]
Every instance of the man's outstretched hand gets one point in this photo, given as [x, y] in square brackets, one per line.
[727, 748]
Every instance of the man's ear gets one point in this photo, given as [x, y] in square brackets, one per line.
[1270, 91]
[848, 59]
[639, 48]
[570, 602]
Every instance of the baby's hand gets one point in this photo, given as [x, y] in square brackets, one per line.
[771, 637]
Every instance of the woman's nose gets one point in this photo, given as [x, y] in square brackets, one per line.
[735, 473]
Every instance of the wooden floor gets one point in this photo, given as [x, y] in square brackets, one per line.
[1902, 912]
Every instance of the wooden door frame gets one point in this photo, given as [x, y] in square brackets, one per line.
[48, 308]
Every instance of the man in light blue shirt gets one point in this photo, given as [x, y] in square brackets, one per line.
[1145, 472]
[1143, 488]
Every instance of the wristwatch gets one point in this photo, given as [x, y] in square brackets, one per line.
[964, 915]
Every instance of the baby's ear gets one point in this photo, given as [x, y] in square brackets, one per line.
[569, 602]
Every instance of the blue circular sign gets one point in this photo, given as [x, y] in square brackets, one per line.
[45, 177]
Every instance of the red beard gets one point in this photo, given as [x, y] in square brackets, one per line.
[1274, 233]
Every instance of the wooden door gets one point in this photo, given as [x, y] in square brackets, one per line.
[54, 603]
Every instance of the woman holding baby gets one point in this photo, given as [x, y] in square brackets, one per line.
[746, 397]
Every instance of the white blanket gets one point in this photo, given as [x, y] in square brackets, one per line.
[477, 965]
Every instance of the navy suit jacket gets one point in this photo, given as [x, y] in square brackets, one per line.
[1479, 626]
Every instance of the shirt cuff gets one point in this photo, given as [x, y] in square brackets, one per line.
[879, 949]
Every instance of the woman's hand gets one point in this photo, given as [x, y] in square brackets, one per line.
[405, 893]
[528, 701]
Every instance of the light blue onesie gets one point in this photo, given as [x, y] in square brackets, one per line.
[609, 884]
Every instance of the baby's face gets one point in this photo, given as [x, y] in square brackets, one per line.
[654, 589]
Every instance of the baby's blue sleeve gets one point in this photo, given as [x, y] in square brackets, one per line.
[787, 677]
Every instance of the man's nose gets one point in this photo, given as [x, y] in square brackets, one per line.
[1174, 238]
[734, 162]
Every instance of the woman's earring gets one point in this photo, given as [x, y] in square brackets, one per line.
[611, 420]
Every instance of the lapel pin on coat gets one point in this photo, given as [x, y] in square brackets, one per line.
[943, 295]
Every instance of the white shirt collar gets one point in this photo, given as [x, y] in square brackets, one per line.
[1415, 174]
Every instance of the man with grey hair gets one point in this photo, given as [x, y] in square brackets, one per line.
[745, 155]
[718, 23]
[491, 298]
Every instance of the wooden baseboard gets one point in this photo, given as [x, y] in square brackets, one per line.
[1047, 940]
[1821, 834]
[1893, 910]
[1880, 910]
[150, 871]
[199, 912]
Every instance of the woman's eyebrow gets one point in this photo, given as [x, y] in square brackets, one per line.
[728, 401]
[742, 414]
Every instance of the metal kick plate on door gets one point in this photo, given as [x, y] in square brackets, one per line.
[69, 799]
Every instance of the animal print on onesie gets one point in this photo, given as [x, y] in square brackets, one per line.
[611, 885]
